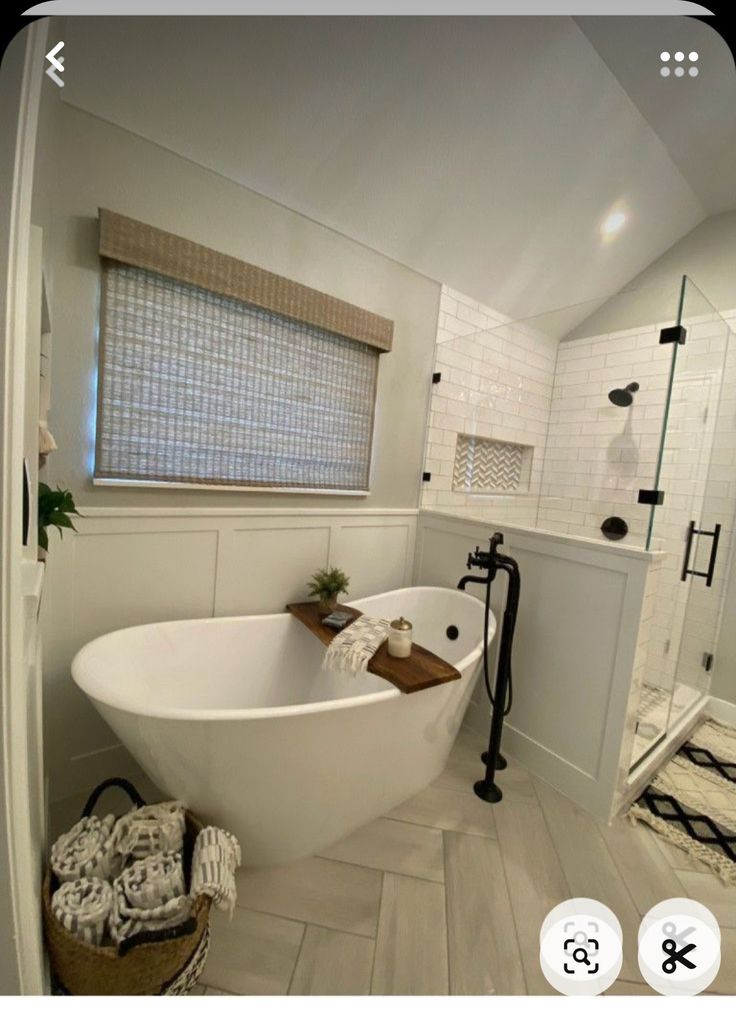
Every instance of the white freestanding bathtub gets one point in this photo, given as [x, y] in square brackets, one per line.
[236, 717]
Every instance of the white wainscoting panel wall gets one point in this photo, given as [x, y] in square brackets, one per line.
[127, 567]
[574, 648]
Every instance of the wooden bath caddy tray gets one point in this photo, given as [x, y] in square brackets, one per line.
[409, 674]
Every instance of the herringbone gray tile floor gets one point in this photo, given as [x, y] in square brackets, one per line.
[447, 894]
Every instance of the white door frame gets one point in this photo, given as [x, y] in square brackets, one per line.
[21, 949]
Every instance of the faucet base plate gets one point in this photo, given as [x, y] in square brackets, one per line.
[487, 792]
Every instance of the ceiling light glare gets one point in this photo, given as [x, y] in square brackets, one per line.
[664, 56]
[679, 71]
[613, 223]
[693, 72]
[679, 55]
[665, 72]
[693, 56]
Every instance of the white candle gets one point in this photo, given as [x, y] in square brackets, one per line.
[400, 638]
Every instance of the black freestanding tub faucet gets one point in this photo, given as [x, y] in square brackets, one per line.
[502, 695]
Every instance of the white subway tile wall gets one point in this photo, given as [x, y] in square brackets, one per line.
[496, 384]
[600, 455]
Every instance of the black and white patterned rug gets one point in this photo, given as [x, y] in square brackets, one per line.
[691, 801]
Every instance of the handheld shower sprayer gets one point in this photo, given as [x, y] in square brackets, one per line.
[501, 696]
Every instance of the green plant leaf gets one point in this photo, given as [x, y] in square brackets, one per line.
[55, 506]
[328, 583]
[58, 519]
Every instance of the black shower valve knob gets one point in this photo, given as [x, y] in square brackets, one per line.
[478, 559]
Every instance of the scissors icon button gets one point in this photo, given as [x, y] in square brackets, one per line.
[679, 947]
[669, 965]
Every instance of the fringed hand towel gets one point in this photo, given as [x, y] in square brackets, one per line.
[149, 895]
[83, 908]
[352, 649]
[150, 829]
[215, 859]
[85, 851]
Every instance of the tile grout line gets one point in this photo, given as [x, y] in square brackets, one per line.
[435, 827]
[296, 961]
[396, 873]
[375, 941]
[610, 854]
[551, 838]
[309, 922]
[447, 915]
[625, 884]
[513, 916]
[512, 906]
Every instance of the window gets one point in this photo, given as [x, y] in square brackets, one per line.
[202, 387]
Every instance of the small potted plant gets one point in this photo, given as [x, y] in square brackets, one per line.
[55, 509]
[327, 585]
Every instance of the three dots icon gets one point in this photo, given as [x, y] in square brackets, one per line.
[679, 58]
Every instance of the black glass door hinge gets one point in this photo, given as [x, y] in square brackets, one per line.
[707, 661]
[674, 334]
[650, 496]
[426, 476]
[436, 377]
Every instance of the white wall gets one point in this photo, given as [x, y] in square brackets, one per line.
[102, 165]
[496, 383]
[707, 255]
[244, 552]
[128, 567]
[599, 455]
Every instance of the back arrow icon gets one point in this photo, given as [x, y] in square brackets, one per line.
[55, 65]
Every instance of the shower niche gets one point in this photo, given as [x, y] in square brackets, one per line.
[490, 466]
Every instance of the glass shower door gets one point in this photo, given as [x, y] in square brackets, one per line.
[694, 525]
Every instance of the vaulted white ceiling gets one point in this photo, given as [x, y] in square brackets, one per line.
[483, 152]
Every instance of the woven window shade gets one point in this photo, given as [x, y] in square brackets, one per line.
[196, 387]
[133, 243]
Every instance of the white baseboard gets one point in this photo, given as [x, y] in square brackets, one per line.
[721, 710]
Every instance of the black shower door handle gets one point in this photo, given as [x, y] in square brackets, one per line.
[692, 530]
[716, 535]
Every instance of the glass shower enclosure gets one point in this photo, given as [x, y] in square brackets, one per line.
[613, 420]
[693, 523]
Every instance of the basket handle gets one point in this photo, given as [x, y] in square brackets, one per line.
[123, 783]
[157, 936]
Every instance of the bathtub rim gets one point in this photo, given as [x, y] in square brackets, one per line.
[89, 685]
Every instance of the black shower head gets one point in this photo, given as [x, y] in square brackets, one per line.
[624, 397]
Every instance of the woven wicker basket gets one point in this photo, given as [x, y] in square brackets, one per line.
[164, 962]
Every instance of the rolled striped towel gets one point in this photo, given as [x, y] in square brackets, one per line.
[352, 649]
[214, 861]
[85, 851]
[150, 829]
[149, 895]
[83, 908]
